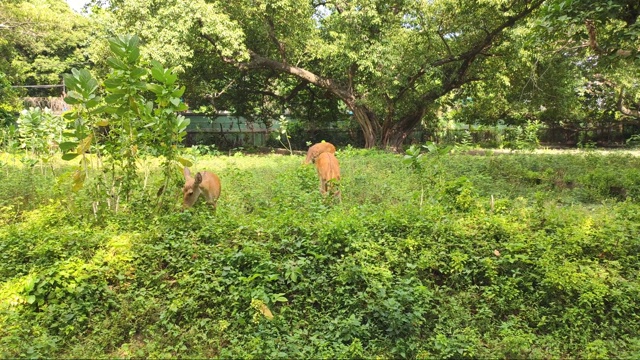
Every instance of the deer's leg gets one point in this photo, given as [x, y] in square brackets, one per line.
[323, 186]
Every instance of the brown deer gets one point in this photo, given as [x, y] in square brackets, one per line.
[329, 173]
[318, 149]
[205, 183]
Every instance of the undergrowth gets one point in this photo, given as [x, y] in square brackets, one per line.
[483, 256]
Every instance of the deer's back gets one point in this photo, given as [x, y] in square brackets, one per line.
[210, 184]
[317, 149]
[328, 166]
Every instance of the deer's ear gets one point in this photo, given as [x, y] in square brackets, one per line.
[198, 178]
[186, 172]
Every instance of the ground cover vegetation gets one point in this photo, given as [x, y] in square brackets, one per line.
[513, 255]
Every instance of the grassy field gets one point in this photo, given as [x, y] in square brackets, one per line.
[492, 256]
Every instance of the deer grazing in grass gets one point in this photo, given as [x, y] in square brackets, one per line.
[318, 149]
[329, 174]
[322, 155]
[205, 183]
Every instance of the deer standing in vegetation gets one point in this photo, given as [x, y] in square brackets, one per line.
[205, 183]
[329, 173]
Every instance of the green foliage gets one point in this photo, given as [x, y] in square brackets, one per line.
[284, 132]
[39, 131]
[128, 122]
[527, 136]
[9, 138]
[9, 103]
[318, 57]
[633, 140]
[614, 20]
[41, 40]
[546, 269]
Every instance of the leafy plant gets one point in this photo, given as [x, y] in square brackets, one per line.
[127, 122]
[9, 103]
[414, 158]
[633, 140]
[39, 131]
[527, 135]
[284, 126]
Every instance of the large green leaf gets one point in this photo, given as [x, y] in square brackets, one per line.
[68, 145]
[138, 72]
[182, 107]
[70, 81]
[113, 82]
[132, 41]
[114, 98]
[73, 98]
[93, 102]
[117, 63]
[70, 156]
[86, 81]
[184, 162]
[158, 74]
[134, 55]
[178, 92]
[170, 78]
[118, 46]
[155, 88]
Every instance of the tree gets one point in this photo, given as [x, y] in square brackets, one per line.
[40, 40]
[140, 107]
[9, 102]
[571, 67]
[605, 28]
[388, 62]
[602, 39]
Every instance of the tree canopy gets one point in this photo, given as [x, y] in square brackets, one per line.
[386, 62]
[40, 40]
[390, 66]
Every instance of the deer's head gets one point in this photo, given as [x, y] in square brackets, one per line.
[191, 189]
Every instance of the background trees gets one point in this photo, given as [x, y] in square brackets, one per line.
[386, 62]
[601, 42]
[389, 66]
[40, 40]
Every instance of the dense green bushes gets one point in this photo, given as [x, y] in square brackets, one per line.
[548, 268]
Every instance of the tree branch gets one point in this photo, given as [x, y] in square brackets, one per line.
[469, 57]
[260, 62]
[625, 110]
[444, 41]
[302, 85]
[257, 61]
[350, 75]
[412, 80]
[272, 35]
[459, 78]
[593, 42]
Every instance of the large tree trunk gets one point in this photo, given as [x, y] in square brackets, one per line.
[368, 123]
[390, 137]
[394, 139]
[394, 136]
[625, 110]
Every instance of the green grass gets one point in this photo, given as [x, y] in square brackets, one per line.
[408, 265]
